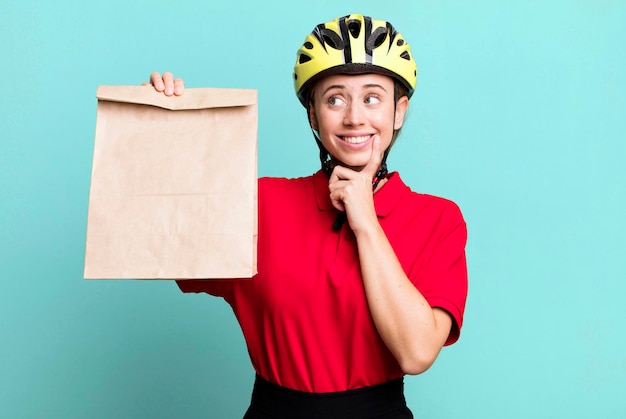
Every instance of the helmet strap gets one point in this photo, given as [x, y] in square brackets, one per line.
[325, 157]
[382, 172]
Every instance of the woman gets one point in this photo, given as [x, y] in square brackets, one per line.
[361, 280]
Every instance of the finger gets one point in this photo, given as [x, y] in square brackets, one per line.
[337, 201]
[376, 159]
[339, 173]
[168, 81]
[157, 81]
[179, 86]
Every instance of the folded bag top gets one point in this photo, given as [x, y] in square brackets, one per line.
[174, 185]
[198, 98]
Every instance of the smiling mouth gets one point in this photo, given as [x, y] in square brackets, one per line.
[356, 140]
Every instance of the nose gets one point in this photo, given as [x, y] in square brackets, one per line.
[353, 115]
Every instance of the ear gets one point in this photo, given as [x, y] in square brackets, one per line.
[313, 117]
[401, 107]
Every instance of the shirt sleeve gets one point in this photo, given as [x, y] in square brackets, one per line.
[444, 277]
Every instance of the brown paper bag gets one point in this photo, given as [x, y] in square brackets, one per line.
[174, 185]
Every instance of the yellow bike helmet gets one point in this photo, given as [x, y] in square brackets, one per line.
[353, 44]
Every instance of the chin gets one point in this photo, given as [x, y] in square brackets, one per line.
[356, 166]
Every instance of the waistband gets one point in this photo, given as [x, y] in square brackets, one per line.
[273, 401]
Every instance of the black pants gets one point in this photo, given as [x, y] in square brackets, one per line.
[383, 401]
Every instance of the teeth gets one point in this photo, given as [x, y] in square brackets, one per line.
[356, 140]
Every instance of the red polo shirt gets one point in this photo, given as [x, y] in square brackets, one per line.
[304, 316]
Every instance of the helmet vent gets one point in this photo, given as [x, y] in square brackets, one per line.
[406, 56]
[377, 38]
[304, 58]
[332, 39]
[354, 26]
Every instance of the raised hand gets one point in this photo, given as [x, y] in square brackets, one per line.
[166, 83]
[351, 190]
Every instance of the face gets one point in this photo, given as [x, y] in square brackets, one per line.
[349, 111]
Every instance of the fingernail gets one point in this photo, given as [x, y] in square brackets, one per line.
[169, 91]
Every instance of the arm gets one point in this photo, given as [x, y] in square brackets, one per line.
[412, 330]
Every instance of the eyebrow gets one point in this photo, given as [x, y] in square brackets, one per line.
[341, 86]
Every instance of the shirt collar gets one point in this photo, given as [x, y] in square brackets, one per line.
[385, 199]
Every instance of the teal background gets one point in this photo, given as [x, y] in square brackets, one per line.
[519, 117]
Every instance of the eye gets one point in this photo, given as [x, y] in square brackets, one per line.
[336, 101]
[372, 100]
